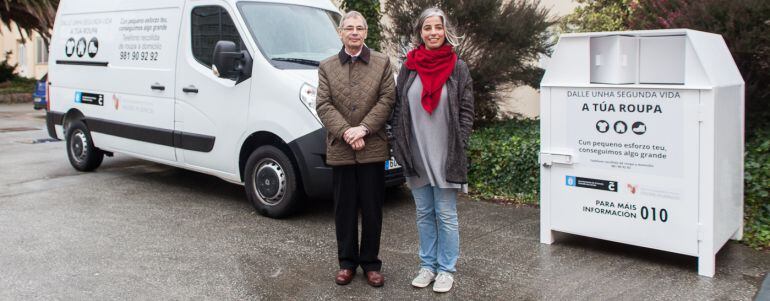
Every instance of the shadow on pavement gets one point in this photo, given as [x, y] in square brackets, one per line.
[216, 188]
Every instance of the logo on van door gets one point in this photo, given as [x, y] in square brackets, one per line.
[69, 47]
[89, 98]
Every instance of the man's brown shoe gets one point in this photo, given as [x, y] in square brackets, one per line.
[344, 276]
[374, 278]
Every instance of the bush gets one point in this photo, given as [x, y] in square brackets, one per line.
[757, 190]
[597, 15]
[504, 161]
[371, 11]
[18, 85]
[502, 41]
[6, 70]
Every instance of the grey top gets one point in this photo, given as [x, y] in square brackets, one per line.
[429, 140]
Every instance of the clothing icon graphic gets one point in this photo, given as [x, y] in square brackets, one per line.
[602, 126]
[93, 47]
[81, 48]
[620, 127]
[69, 47]
[639, 128]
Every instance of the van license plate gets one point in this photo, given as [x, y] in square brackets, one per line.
[391, 164]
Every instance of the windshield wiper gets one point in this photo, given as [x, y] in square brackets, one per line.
[296, 60]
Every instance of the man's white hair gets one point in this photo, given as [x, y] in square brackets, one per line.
[353, 14]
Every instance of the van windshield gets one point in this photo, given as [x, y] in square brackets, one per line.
[292, 33]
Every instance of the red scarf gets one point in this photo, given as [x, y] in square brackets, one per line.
[434, 68]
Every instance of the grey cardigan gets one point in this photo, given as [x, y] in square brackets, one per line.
[460, 96]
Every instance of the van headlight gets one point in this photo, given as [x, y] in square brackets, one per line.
[307, 94]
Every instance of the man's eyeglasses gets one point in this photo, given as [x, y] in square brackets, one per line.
[352, 28]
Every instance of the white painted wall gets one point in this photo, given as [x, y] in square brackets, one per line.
[10, 40]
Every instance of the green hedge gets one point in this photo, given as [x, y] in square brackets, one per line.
[757, 189]
[503, 161]
[504, 167]
[18, 85]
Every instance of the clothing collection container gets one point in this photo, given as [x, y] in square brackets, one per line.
[642, 137]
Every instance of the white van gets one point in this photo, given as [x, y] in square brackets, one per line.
[222, 87]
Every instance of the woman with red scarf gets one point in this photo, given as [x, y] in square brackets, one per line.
[431, 124]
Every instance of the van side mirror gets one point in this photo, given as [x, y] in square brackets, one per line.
[230, 63]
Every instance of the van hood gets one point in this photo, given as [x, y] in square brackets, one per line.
[309, 76]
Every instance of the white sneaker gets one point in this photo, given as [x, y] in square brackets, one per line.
[424, 278]
[443, 283]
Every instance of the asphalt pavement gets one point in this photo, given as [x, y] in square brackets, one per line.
[136, 230]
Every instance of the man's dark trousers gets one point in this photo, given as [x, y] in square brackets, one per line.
[359, 187]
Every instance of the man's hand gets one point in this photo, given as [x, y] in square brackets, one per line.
[358, 144]
[355, 133]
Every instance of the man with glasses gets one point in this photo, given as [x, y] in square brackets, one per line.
[355, 98]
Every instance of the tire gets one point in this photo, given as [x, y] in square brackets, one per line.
[271, 182]
[82, 153]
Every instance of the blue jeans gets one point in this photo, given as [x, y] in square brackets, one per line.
[437, 226]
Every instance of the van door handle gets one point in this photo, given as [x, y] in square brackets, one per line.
[190, 89]
[158, 87]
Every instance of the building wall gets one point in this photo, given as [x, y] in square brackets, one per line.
[35, 64]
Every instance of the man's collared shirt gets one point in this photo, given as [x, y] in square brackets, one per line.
[362, 55]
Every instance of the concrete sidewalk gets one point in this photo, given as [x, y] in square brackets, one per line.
[138, 230]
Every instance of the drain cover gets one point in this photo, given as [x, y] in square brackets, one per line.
[17, 129]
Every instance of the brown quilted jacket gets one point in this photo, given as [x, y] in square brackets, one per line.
[352, 93]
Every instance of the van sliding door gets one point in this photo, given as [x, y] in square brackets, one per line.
[210, 111]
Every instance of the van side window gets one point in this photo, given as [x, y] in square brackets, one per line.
[211, 24]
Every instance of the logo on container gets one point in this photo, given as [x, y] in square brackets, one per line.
[632, 188]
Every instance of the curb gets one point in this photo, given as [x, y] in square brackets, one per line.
[764, 290]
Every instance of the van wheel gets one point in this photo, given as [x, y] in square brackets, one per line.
[83, 155]
[271, 182]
